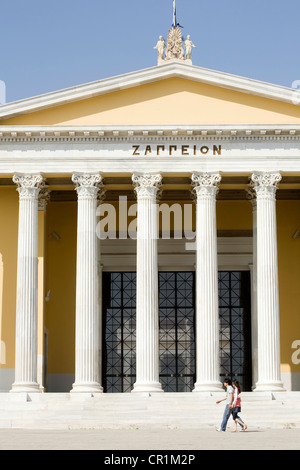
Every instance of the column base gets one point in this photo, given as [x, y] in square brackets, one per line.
[209, 387]
[87, 388]
[269, 387]
[147, 388]
[26, 388]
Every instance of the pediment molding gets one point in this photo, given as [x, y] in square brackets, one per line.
[146, 76]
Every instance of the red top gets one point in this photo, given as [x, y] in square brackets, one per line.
[237, 398]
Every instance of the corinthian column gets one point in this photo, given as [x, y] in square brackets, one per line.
[207, 304]
[269, 378]
[87, 377]
[27, 284]
[147, 313]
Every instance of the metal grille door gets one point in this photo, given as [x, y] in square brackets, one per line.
[119, 332]
[235, 326]
[177, 331]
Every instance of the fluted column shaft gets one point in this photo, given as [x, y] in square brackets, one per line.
[253, 270]
[207, 304]
[87, 379]
[147, 312]
[269, 377]
[27, 284]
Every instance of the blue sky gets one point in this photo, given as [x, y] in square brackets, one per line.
[46, 46]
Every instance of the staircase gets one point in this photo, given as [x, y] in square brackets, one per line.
[140, 411]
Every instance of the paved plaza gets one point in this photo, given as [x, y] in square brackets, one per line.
[181, 440]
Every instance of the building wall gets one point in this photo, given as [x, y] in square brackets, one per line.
[61, 281]
[288, 215]
[8, 282]
[58, 230]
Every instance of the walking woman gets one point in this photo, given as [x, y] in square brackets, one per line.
[236, 406]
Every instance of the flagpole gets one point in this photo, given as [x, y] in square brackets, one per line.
[174, 14]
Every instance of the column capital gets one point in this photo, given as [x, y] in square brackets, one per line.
[251, 195]
[101, 196]
[206, 185]
[87, 185]
[147, 185]
[28, 185]
[44, 196]
[264, 184]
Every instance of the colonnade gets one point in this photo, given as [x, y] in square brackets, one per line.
[87, 376]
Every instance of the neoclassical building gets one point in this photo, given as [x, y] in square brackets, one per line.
[149, 235]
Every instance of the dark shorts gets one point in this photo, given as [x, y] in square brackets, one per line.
[235, 412]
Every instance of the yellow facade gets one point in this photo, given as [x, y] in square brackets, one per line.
[166, 102]
[9, 244]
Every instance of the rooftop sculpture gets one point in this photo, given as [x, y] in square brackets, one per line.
[177, 48]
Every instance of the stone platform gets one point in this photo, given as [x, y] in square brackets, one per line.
[143, 411]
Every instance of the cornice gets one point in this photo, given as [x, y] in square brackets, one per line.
[148, 133]
[145, 76]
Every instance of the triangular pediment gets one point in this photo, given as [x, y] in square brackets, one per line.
[172, 94]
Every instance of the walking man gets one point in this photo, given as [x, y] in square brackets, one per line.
[229, 401]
